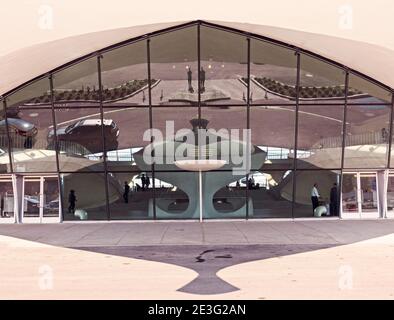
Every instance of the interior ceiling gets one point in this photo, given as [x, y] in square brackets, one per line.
[28, 63]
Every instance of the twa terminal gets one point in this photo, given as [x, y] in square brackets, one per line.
[314, 115]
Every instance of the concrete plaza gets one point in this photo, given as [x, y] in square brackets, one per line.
[306, 259]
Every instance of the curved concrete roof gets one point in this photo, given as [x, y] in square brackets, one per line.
[25, 64]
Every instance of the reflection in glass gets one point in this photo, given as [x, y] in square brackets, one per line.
[223, 67]
[349, 193]
[174, 72]
[272, 131]
[130, 195]
[364, 91]
[124, 75]
[322, 184]
[6, 197]
[367, 136]
[273, 73]
[270, 193]
[319, 136]
[83, 196]
[369, 195]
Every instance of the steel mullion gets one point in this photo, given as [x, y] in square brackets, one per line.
[296, 132]
[51, 88]
[390, 132]
[8, 136]
[99, 57]
[248, 146]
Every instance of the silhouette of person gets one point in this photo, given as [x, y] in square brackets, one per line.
[126, 192]
[334, 200]
[147, 182]
[143, 181]
[71, 201]
[189, 79]
[202, 79]
[384, 134]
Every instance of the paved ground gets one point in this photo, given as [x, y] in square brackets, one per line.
[217, 259]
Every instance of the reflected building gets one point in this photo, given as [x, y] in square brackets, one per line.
[84, 121]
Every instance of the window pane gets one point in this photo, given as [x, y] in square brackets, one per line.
[124, 75]
[77, 85]
[173, 57]
[177, 138]
[223, 67]
[367, 136]
[130, 195]
[125, 137]
[319, 136]
[320, 81]
[83, 196]
[78, 123]
[79, 139]
[273, 72]
[177, 195]
[364, 91]
[317, 193]
[270, 193]
[4, 156]
[29, 130]
[272, 131]
[227, 137]
[36, 94]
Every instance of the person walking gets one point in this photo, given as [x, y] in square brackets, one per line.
[315, 197]
[334, 200]
[71, 201]
[126, 192]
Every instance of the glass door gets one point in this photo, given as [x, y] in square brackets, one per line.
[359, 195]
[40, 200]
[7, 214]
[390, 196]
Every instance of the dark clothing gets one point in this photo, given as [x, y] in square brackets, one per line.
[315, 203]
[71, 200]
[202, 79]
[334, 201]
[189, 78]
[126, 193]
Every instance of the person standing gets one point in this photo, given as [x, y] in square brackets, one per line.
[71, 201]
[202, 77]
[126, 192]
[143, 181]
[147, 181]
[189, 79]
[334, 200]
[315, 197]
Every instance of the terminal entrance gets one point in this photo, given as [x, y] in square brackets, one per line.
[360, 197]
[40, 202]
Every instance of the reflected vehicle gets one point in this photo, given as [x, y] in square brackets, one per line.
[85, 133]
[18, 127]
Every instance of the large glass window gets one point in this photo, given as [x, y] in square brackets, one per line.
[223, 73]
[124, 76]
[83, 196]
[30, 123]
[367, 136]
[174, 71]
[317, 193]
[130, 195]
[78, 122]
[364, 91]
[272, 132]
[273, 73]
[270, 193]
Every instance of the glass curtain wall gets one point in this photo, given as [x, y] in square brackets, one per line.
[186, 79]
